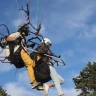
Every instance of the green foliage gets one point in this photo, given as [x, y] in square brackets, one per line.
[3, 92]
[92, 94]
[86, 81]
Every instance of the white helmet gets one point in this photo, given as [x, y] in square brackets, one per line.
[47, 41]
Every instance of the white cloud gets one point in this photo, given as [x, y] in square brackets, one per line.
[82, 14]
[71, 92]
[66, 91]
[68, 53]
[22, 87]
[89, 32]
[78, 21]
[5, 67]
[42, 31]
[24, 78]
[66, 25]
[74, 73]
[90, 56]
[69, 78]
[18, 22]
[14, 89]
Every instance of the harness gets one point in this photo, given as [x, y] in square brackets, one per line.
[15, 57]
[41, 69]
[42, 72]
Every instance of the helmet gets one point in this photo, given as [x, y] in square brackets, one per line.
[23, 28]
[47, 41]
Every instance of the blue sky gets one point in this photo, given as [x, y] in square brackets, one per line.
[71, 26]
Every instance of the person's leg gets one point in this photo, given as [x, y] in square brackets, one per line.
[57, 79]
[61, 80]
[29, 63]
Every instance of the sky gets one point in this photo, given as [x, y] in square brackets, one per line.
[69, 24]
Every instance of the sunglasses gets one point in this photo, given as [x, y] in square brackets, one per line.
[49, 43]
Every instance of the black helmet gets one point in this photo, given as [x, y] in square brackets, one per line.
[23, 28]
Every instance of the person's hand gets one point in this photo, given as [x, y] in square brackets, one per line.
[49, 53]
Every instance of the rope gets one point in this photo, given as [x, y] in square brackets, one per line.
[18, 11]
[28, 11]
[37, 14]
[15, 72]
[44, 54]
[56, 61]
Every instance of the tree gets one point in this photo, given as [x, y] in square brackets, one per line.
[92, 94]
[3, 92]
[86, 81]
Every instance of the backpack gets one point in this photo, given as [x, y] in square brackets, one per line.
[42, 72]
[17, 60]
[41, 69]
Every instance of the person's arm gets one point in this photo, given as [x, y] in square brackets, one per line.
[14, 36]
[10, 38]
[41, 49]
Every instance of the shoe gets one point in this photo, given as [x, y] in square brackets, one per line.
[40, 87]
[35, 84]
[46, 89]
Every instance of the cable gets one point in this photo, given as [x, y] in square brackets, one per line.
[46, 54]
[37, 14]
[18, 9]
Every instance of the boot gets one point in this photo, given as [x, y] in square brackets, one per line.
[40, 87]
[35, 84]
